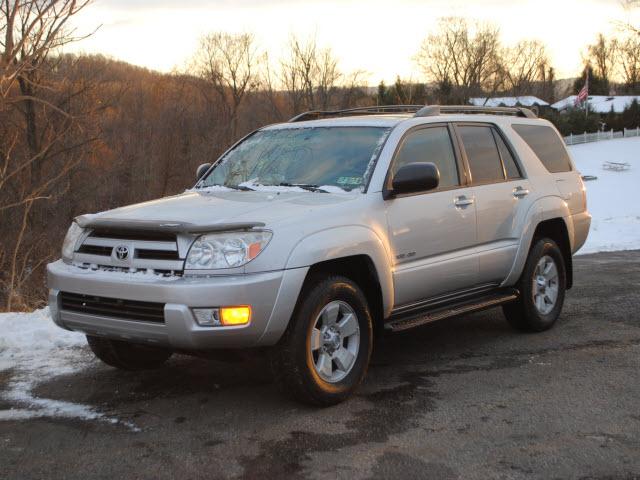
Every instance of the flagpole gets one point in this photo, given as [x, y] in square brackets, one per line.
[586, 101]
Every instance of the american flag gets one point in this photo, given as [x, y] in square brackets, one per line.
[583, 94]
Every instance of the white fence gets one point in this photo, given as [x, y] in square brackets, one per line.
[597, 136]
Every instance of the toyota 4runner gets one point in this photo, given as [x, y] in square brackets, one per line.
[309, 237]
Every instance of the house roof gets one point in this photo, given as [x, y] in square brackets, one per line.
[525, 101]
[599, 103]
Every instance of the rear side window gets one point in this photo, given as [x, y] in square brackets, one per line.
[482, 154]
[546, 144]
[430, 145]
[510, 166]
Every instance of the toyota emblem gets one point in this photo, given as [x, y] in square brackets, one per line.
[122, 252]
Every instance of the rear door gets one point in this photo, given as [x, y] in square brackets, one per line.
[502, 197]
[433, 233]
[548, 146]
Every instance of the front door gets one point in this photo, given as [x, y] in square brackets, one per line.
[433, 234]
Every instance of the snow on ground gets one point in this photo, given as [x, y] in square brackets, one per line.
[34, 350]
[612, 198]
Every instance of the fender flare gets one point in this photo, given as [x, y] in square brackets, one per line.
[544, 208]
[346, 241]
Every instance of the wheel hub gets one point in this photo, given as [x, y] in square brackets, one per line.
[545, 285]
[335, 341]
[331, 340]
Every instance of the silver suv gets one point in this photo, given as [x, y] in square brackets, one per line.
[311, 236]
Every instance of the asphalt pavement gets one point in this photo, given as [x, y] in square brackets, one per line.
[464, 398]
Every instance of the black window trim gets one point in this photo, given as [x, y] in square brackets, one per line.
[463, 177]
[494, 128]
[497, 131]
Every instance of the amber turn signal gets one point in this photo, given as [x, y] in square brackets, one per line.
[235, 315]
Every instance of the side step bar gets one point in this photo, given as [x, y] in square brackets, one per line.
[405, 322]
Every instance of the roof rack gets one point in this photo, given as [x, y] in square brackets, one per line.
[417, 110]
[318, 114]
[433, 110]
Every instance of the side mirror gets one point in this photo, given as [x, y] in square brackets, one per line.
[415, 177]
[202, 169]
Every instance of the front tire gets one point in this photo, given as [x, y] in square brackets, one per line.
[542, 289]
[324, 354]
[128, 356]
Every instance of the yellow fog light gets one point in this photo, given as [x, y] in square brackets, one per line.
[235, 315]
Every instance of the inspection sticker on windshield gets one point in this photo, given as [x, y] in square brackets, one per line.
[349, 180]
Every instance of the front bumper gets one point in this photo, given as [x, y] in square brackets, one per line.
[272, 296]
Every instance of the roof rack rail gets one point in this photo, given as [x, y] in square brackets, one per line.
[433, 110]
[417, 110]
[318, 114]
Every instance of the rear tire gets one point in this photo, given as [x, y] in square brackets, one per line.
[542, 289]
[128, 356]
[324, 353]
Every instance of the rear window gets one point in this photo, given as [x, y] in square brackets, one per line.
[546, 144]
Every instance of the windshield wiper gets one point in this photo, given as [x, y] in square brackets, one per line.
[305, 186]
[242, 188]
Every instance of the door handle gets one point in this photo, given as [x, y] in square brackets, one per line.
[520, 192]
[463, 201]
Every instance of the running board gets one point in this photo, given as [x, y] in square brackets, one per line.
[413, 320]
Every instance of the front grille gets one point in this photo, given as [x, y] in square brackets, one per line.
[112, 307]
[145, 250]
[157, 254]
[95, 250]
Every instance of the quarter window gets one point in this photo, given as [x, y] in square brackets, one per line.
[546, 144]
[482, 154]
[433, 145]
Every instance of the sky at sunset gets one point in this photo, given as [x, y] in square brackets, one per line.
[380, 37]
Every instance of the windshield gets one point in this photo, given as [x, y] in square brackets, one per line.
[301, 157]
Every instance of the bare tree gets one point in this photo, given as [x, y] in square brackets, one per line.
[629, 6]
[525, 65]
[629, 55]
[602, 57]
[296, 73]
[229, 63]
[310, 75]
[328, 75]
[38, 126]
[461, 61]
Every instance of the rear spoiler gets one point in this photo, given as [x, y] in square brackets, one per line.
[94, 221]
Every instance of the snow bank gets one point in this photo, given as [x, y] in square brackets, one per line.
[525, 101]
[612, 198]
[599, 103]
[34, 350]
[27, 338]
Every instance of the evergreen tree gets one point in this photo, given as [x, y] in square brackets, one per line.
[382, 93]
[612, 120]
[631, 115]
[597, 85]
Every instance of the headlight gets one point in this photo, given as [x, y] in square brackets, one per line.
[226, 250]
[69, 245]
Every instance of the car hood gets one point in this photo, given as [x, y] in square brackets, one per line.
[221, 210]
